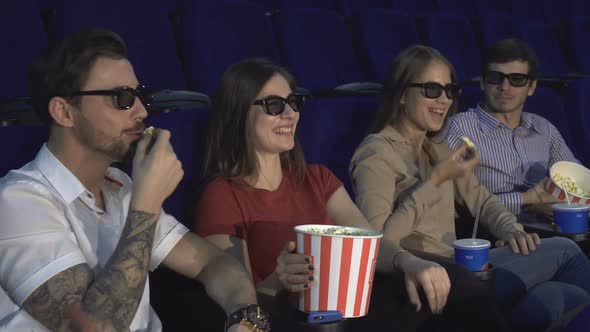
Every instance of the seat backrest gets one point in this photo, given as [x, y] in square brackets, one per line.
[23, 36]
[143, 25]
[554, 12]
[549, 104]
[453, 37]
[579, 48]
[497, 27]
[215, 34]
[188, 133]
[19, 145]
[493, 7]
[317, 47]
[528, 10]
[415, 7]
[543, 40]
[331, 129]
[456, 7]
[579, 8]
[577, 105]
[330, 5]
[351, 7]
[380, 35]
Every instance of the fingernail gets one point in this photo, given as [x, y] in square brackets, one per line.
[416, 306]
[310, 267]
[306, 286]
[310, 278]
[307, 260]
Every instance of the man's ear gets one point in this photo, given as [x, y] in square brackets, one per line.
[61, 112]
[532, 88]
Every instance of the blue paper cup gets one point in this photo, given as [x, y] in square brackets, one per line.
[571, 218]
[472, 253]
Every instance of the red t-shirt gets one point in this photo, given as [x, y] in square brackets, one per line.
[265, 219]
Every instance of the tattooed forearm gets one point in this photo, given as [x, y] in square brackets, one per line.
[111, 300]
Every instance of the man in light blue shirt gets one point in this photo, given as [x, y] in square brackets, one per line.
[517, 148]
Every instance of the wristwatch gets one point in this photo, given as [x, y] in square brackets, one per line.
[252, 316]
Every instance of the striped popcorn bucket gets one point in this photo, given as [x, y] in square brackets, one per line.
[344, 268]
[578, 173]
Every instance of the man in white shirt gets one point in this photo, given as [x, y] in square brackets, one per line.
[77, 237]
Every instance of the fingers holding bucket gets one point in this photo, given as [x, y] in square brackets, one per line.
[294, 271]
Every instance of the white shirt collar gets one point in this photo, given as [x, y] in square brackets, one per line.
[65, 182]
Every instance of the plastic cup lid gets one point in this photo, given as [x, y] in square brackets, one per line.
[471, 244]
[570, 207]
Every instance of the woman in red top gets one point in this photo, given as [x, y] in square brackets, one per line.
[261, 188]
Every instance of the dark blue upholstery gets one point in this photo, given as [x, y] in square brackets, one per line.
[216, 34]
[497, 27]
[19, 145]
[554, 14]
[23, 37]
[415, 7]
[331, 129]
[529, 10]
[380, 35]
[351, 7]
[470, 97]
[549, 104]
[317, 47]
[579, 8]
[456, 7]
[331, 5]
[543, 40]
[577, 105]
[145, 27]
[188, 129]
[493, 7]
[579, 48]
[453, 36]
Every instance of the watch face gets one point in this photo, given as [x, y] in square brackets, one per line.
[258, 317]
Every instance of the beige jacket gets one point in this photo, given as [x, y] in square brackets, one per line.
[396, 195]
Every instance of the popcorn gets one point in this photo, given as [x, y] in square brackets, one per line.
[569, 185]
[149, 131]
[340, 231]
[469, 143]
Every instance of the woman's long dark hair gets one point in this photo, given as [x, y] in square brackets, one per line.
[406, 67]
[229, 152]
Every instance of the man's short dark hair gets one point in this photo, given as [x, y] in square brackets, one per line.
[63, 67]
[512, 49]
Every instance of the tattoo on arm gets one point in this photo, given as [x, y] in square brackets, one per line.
[112, 298]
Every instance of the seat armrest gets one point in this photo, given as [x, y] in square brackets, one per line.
[169, 100]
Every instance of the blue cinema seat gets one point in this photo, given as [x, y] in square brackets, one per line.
[415, 7]
[19, 145]
[188, 132]
[380, 35]
[577, 41]
[577, 105]
[145, 27]
[497, 27]
[215, 34]
[543, 40]
[317, 47]
[331, 129]
[453, 37]
[23, 37]
[549, 104]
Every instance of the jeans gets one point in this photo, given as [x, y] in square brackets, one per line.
[541, 287]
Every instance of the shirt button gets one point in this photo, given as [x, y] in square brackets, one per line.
[100, 212]
[89, 195]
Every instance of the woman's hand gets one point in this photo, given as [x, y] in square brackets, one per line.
[293, 270]
[460, 163]
[432, 277]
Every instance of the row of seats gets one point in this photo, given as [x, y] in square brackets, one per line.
[329, 130]
[323, 49]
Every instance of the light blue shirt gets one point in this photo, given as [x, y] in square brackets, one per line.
[512, 160]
